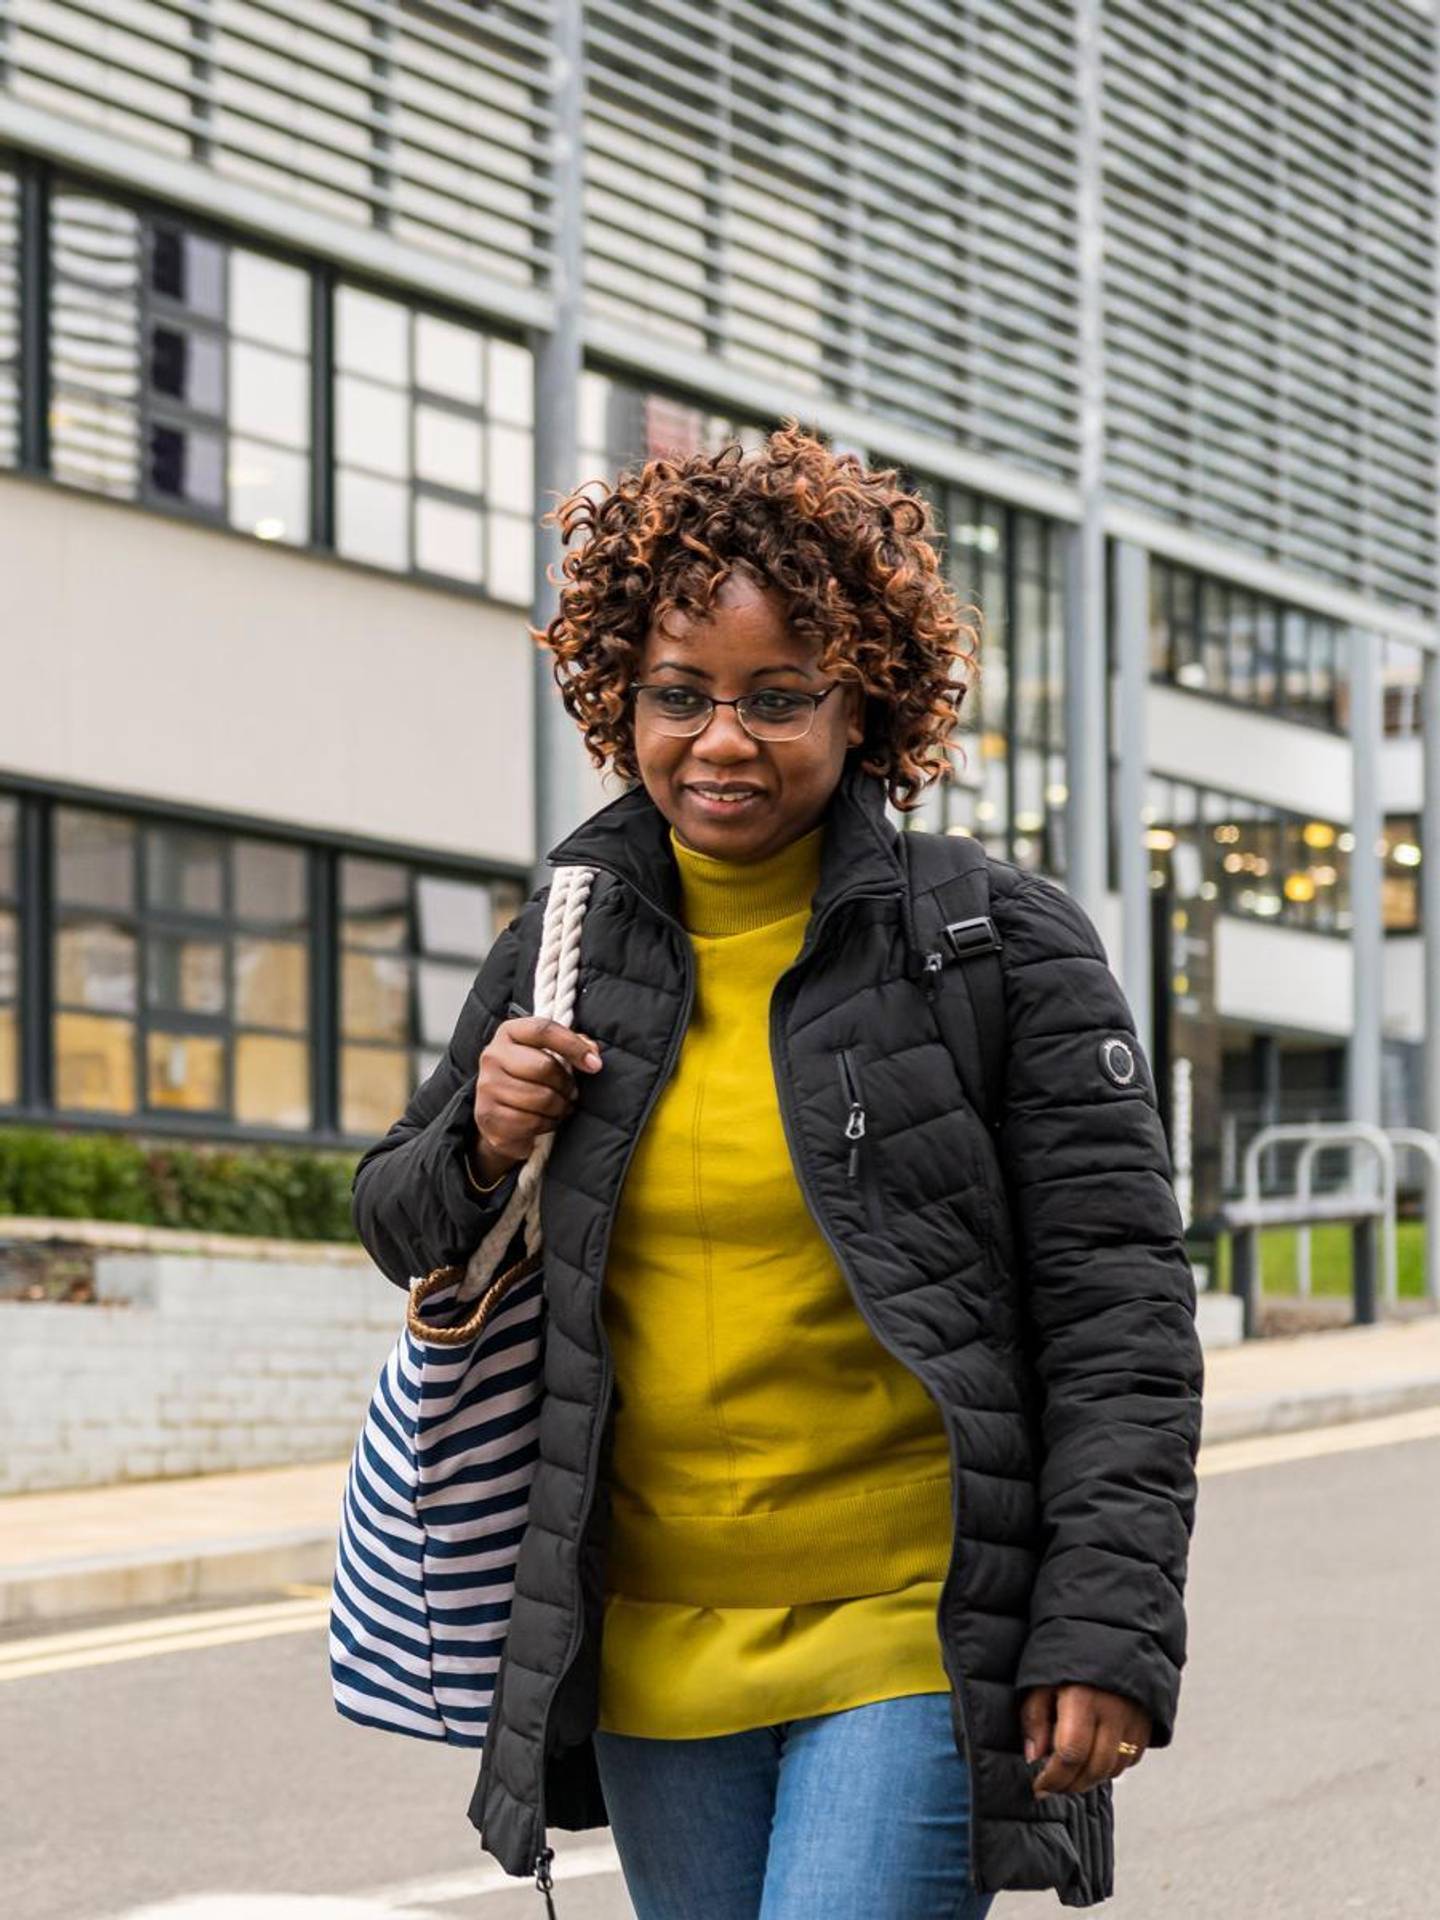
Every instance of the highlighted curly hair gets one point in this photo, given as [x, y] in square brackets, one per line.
[852, 553]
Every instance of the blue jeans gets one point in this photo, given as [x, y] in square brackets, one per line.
[859, 1815]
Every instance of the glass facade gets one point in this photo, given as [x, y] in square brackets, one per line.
[410, 945]
[1236, 645]
[1401, 674]
[191, 976]
[182, 374]
[1249, 858]
[1400, 877]
[1010, 781]
[623, 425]
[180, 368]
[434, 428]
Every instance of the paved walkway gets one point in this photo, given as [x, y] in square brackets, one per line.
[229, 1534]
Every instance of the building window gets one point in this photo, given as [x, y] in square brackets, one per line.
[1400, 879]
[9, 319]
[410, 944]
[1402, 671]
[1249, 858]
[181, 969]
[1236, 645]
[624, 425]
[434, 437]
[1009, 788]
[9, 952]
[180, 368]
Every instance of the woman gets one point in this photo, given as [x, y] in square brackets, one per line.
[854, 1565]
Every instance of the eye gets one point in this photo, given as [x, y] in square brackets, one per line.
[675, 699]
[774, 703]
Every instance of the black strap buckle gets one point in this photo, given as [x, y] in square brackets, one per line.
[969, 937]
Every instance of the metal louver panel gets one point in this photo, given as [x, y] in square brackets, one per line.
[1270, 280]
[871, 200]
[429, 119]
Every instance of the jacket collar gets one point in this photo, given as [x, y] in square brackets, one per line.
[630, 837]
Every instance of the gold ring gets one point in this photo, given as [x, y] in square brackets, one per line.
[1127, 1746]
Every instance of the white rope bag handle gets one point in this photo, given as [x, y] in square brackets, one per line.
[557, 976]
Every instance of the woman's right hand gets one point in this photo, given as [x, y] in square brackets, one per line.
[523, 1090]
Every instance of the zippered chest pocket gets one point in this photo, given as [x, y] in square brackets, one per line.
[859, 1144]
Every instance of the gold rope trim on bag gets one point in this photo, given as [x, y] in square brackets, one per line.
[467, 1330]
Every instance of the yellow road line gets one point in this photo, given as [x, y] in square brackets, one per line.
[147, 1639]
[1312, 1443]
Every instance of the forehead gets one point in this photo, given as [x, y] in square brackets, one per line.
[744, 620]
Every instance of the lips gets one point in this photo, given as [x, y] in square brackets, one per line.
[721, 798]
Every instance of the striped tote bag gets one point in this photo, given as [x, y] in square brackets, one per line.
[438, 1491]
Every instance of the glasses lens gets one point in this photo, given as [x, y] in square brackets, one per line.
[773, 714]
[673, 710]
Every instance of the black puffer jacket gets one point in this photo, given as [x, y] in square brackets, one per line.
[1032, 1276]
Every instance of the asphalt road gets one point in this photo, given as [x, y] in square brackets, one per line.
[205, 1776]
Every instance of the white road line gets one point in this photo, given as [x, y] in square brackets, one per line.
[570, 1865]
[1312, 1443]
[145, 1639]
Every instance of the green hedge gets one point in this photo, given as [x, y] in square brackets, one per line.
[282, 1193]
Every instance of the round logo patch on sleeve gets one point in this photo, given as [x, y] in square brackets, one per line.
[1117, 1057]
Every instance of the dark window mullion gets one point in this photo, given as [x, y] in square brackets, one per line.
[324, 993]
[322, 407]
[34, 368]
[37, 1040]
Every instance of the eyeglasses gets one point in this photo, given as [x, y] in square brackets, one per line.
[773, 713]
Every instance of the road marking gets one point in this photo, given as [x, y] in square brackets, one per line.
[1312, 1443]
[146, 1639]
[474, 1883]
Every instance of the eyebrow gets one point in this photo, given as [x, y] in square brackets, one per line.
[681, 666]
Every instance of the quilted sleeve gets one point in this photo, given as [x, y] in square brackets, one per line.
[1108, 1304]
[413, 1203]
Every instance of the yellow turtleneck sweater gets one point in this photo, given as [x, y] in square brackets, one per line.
[780, 1483]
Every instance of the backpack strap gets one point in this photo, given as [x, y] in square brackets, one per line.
[949, 877]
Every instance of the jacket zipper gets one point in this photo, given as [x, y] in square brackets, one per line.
[543, 1854]
[784, 1090]
[860, 1161]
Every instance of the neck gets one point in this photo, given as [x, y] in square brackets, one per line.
[720, 896]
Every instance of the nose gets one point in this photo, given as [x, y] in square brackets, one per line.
[724, 741]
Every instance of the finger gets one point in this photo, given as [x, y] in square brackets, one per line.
[536, 1031]
[1037, 1721]
[1075, 1727]
[1105, 1758]
[525, 1097]
[528, 1066]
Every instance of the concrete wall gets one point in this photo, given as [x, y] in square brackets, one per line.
[192, 1364]
[1283, 978]
[1192, 737]
[180, 663]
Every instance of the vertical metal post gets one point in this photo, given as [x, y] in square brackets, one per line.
[322, 407]
[1367, 940]
[1132, 680]
[563, 779]
[1086, 733]
[1362, 1268]
[324, 993]
[1244, 1261]
[1430, 889]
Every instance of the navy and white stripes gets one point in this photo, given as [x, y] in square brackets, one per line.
[435, 1506]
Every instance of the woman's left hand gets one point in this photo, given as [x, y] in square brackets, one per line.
[1079, 1730]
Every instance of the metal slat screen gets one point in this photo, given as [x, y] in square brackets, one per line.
[427, 118]
[867, 199]
[1270, 279]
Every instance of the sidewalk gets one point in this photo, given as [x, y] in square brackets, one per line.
[226, 1535]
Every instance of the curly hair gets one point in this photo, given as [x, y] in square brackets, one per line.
[852, 553]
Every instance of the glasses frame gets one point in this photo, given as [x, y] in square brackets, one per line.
[739, 704]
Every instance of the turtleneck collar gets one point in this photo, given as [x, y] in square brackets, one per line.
[734, 896]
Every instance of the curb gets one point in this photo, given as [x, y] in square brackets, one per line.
[164, 1576]
[1246, 1416]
